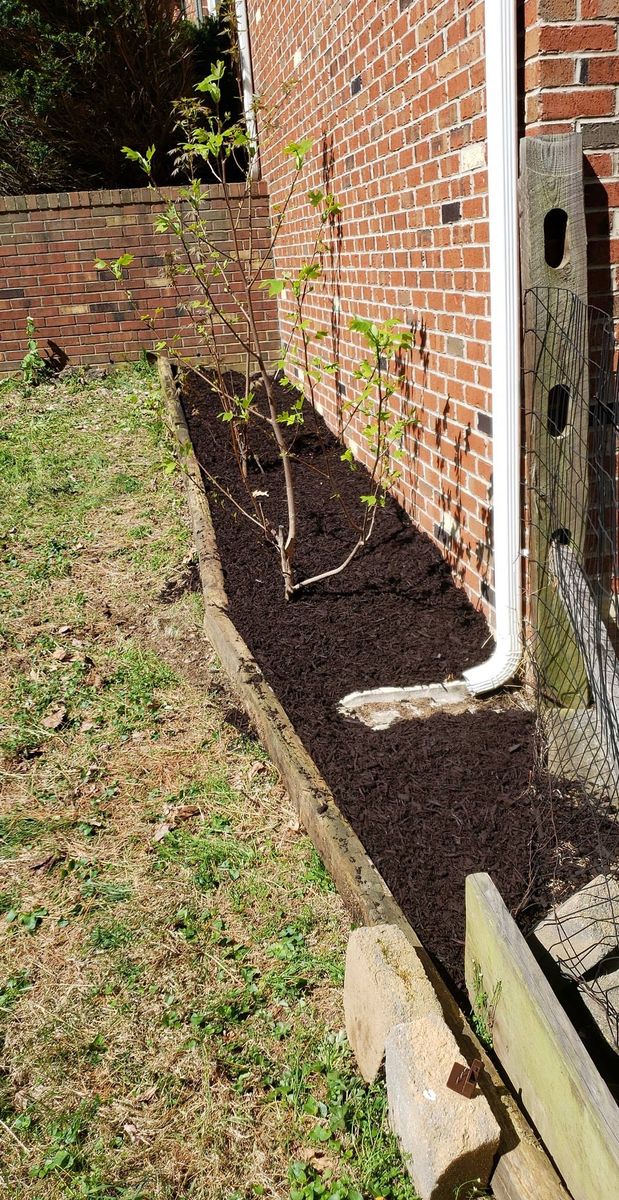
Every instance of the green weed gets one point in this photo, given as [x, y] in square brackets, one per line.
[131, 700]
[12, 990]
[213, 854]
[111, 936]
[484, 1006]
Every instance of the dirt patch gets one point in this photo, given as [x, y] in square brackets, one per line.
[434, 799]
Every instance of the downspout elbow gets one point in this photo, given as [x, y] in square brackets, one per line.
[498, 669]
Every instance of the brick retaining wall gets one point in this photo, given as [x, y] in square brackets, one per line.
[48, 245]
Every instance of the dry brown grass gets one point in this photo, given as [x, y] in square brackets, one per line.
[170, 1006]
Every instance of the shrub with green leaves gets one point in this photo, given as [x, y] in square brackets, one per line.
[227, 279]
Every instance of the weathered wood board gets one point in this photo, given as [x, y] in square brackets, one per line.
[544, 1058]
[555, 359]
[524, 1172]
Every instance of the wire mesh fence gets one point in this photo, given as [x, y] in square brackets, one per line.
[572, 472]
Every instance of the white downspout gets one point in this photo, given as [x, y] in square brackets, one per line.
[502, 130]
[502, 126]
[247, 79]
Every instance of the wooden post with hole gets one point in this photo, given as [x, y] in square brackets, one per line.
[554, 265]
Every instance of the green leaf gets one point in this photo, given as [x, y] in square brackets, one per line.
[275, 286]
[369, 501]
[310, 271]
[361, 325]
[62, 1160]
[145, 161]
[298, 151]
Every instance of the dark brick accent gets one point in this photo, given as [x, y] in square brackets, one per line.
[583, 70]
[484, 423]
[355, 86]
[111, 306]
[451, 212]
[12, 293]
[488, 594]
[600, 135]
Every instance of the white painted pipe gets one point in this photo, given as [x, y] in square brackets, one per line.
[502, 126]
[502, 141]
[247, 80]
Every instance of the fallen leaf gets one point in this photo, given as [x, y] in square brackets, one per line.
[54, 718]
[93, 679]
[255, 769]
[184, 812]
[314, 1158]
[60, 654]
[63, 629]
[86, 725]
[46, 864]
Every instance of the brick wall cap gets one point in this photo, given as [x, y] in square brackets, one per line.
[117, 198]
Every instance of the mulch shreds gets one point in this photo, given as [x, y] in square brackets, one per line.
[433, 799]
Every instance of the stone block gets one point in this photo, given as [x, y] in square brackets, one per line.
[602, 999]
[384, 985]
[446, 1139]
[584, 929]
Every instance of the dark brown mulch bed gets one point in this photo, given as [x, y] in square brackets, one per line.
[434, 799]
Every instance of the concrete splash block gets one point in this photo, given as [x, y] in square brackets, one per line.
[446, 1139]
[385, 985]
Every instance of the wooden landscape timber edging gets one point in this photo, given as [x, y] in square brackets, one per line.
[524, 1171]
[541, 1051]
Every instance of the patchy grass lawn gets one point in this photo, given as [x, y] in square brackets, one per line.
[172, 948]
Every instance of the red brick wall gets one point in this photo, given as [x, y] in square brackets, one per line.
[48, 245]
[393, 94]
[572, 82]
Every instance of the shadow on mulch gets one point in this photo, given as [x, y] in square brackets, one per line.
[431, 800]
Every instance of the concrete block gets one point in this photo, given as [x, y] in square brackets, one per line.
[583, 930]
[602, 999]
[384, 985]
[446, 1139]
